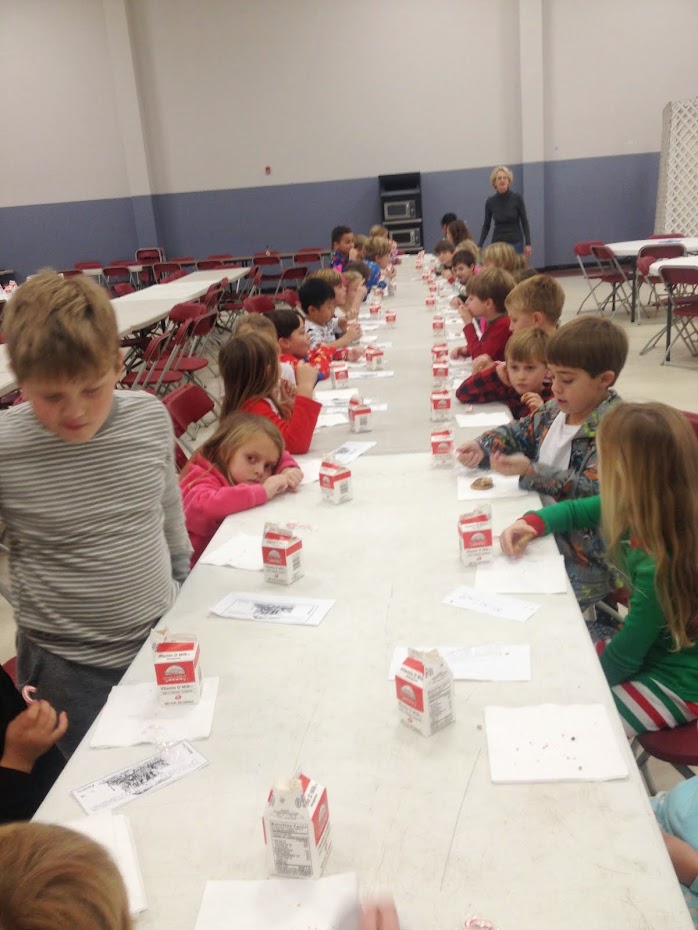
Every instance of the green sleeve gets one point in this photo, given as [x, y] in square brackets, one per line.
[625, 655]
[581, 513]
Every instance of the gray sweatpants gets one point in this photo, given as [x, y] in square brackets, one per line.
[80, 690]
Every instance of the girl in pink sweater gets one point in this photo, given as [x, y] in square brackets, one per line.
[242, 465]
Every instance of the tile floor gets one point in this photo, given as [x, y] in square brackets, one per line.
[643, 379]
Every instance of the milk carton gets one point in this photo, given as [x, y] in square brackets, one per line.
[442, 448]
[439, 371]
[177, 669]
[390, 318]
[424, 688]
[475, 535]
[281, 554]
[296, 826]
[374, 310]
[359, 418]
[438, 327]
[439, 350]
[440, 405]
[335, 482]
[339, 373]
[430, 302]
[433, 286]
[374, 358]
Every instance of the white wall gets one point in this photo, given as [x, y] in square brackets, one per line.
[610, 68]
[60, 140]
[323, 91]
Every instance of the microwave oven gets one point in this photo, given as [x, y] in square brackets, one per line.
[407, 237]
[399, 210]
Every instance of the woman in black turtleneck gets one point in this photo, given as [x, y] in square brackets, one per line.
[508, 210]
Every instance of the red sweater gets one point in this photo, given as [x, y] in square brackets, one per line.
[493, 339]
[298, 431]
[487, 386]
[208, 498]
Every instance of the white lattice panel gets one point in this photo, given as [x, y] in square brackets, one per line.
[677, 192]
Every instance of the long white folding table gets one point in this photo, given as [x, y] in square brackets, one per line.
[630, 249]
[419, 817]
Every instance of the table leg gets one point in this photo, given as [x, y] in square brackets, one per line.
[633, 292]
[669, 321]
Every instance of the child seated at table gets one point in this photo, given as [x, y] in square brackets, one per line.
[526, 369]
[463, 266]
[382, 233]
[250, 373]
[359, 243]
[294, 343]
[89, 497]
[29, 761]
[244, 464]
[444, 252]
[445, 220]
[554, 450]
[457, 232]
[676, 811]
[536, 303]
[648, 513]
[356, 292]
[52, 877]
[261, 324]
[501, 255]
[319, 300]
[487, 292]
[377, 255]
[342, 247]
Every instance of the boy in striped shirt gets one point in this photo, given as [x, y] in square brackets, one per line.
[89, 497]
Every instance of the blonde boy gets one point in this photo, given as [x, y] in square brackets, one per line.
[527, 373]
[89, 496]
[377, 257]
[553, 451]
[535, 302]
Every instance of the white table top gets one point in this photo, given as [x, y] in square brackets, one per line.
[630, 248]
[217, 274]
[419, 817]
[685, 261]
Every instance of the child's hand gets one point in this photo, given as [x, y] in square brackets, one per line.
[354, 354]
[459, 352]
[306, 379]
[470, 454]
[481, 362]
[515, 538]
[503, 375]
[293, 476]
[343, 322]
[517, 464]
[352, 255]
[31, 734]
[354, 330]
[456, 303]
[532, 400]
[275, 484]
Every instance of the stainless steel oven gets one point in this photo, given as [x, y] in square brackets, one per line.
[399, 210]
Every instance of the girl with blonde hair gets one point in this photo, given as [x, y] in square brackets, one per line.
[500, 255]
[244, 464]
[648, 514]
[249, 369]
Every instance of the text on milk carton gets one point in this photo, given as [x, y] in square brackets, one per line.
[296, 826]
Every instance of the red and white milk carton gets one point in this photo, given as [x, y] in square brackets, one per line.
[177, 669]
[339, 373]
[475, 535]
[438, 326]
[430, 302]
[374, 358]
[426, 274]
[281, 554]
[439, 350]
[390, 318]
[374, 310]
[359, 418]
[439, 371]
[296, 826]
[425, 693]
[440, 405]
[442, 448]
[335, 481]
[433, 286]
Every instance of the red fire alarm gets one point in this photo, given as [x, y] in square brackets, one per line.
[267, 170]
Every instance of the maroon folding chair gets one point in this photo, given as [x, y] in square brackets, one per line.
[72, 273]
[682, 308]
[188, 405]
[677, 746]
[288, 297]
[150, 255]
[291, 278]
[590, 271]
[148, 375]
[123, 288]
[116, 274]
[260, 303]
[267, 261]
[163, 269]
[308, 257]
[88, 265]
[209, 264]
[173, 277]
[613, 274]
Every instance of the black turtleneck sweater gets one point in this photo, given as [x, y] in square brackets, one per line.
[510, 220]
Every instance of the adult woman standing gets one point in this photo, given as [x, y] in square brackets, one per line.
[508, 210]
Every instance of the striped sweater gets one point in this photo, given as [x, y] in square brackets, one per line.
[94, 530]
